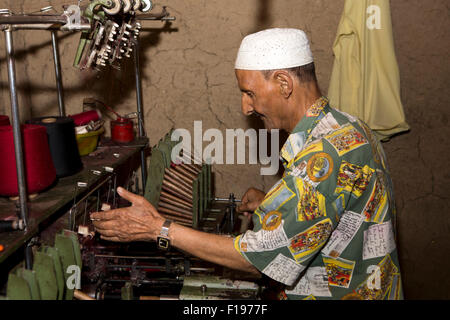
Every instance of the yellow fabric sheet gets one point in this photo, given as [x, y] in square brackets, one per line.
[365, 80]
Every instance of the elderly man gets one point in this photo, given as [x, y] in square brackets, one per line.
[326, 229]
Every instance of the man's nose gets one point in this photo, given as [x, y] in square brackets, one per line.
[246, 105]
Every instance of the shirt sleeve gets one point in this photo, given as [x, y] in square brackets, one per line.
[291, 225]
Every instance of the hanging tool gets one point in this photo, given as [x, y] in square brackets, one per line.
[114, 32]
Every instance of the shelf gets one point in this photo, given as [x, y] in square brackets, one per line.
[58, 198]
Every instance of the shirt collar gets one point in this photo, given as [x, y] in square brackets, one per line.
[296, 140]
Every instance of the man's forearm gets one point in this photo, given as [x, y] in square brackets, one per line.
[210, 247]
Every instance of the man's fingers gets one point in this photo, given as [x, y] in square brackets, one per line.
[243, 208]
[104, 224]
[104, 215]
[107, 233]
[127, 195]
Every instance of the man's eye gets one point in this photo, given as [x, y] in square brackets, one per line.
[249, 93]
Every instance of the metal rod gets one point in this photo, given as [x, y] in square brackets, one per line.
[138, 88]
[34, 19]
[29, 256]
[92, 191]
[127, 257]
[163, 15]
[59, 84]
[137, 73]
[35, 27]
[21, 182]
[225, 200]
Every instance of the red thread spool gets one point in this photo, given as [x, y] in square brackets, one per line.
[40, 172]
[4, 120]
[83, 118]
[122, 130]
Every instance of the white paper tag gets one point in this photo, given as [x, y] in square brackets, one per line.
[314, 282]
[265, 240]
[283, 269]
[345, 231]
[378, 240]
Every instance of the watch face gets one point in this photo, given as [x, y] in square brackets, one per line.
[163, 243]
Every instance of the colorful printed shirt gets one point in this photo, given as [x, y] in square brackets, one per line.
[327, 228]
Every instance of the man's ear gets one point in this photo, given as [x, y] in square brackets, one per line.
[285, 82]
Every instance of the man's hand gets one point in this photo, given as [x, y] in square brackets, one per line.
[140, 222]
[251, 200]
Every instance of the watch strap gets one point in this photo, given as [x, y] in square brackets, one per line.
[165, 228]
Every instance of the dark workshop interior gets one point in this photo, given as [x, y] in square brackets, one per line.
[128, 77]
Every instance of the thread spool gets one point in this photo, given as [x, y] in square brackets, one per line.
[11, 225]
[40, 172]
[122, 130]
[63, 144]
[4, 120]
[83, 118]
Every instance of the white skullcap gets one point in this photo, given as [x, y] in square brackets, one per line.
[274, 49]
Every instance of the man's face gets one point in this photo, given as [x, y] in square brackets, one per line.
[261, 97]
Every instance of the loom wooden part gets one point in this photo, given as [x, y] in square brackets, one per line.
[68, 245]
[47, 280]
[162, 179]
[209, 183]
[59, 272]
[76, 246]
[18, 288]
[168, 139]
[30, 277]
[205, 187]
[44, 268]
[166, 150]
[23, 285]
[155, 177]
[201, 190]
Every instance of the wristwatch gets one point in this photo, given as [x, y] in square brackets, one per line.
[163, 240]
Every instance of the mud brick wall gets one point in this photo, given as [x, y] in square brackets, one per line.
[187, 69]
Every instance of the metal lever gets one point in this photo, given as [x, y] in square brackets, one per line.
[228, 220]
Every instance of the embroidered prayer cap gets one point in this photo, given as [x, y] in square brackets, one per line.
[274, 49]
